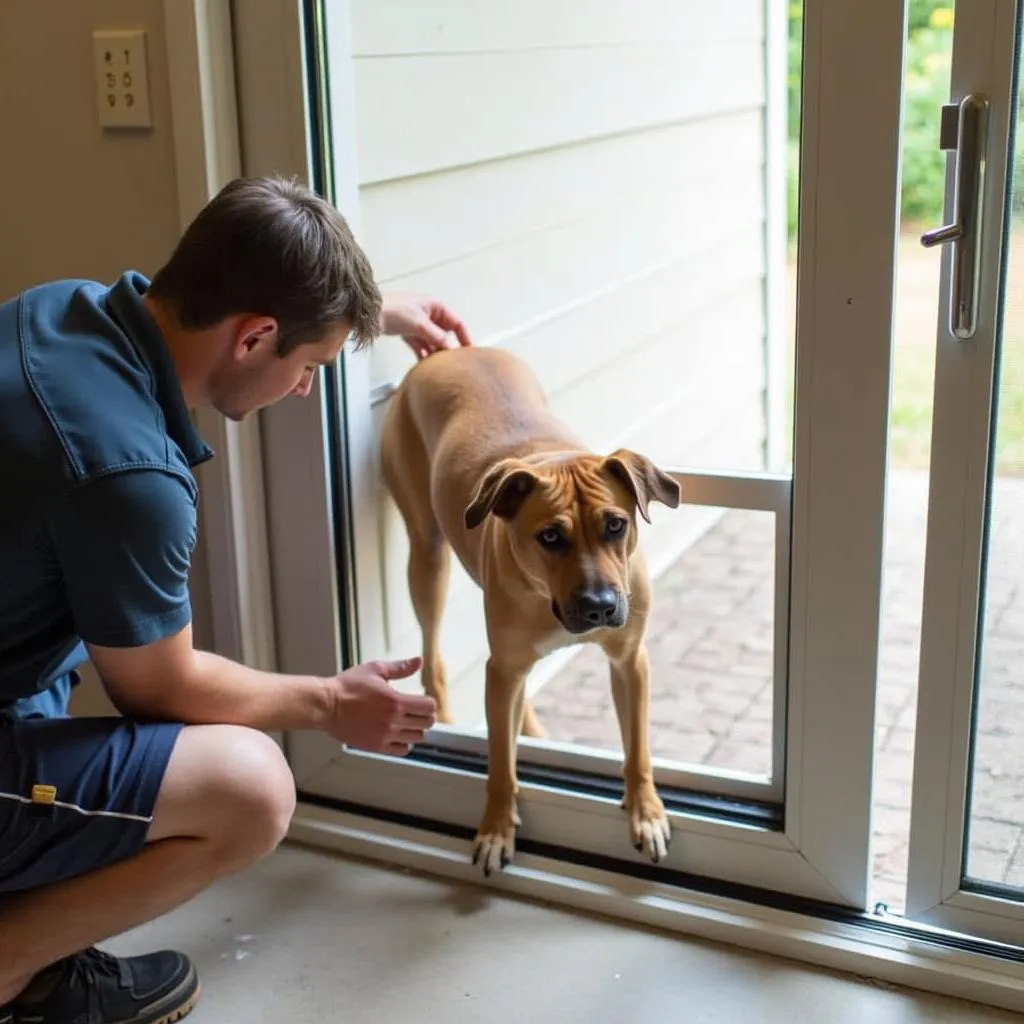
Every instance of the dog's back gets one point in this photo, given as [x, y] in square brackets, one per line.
[475, 389]
[453, 417]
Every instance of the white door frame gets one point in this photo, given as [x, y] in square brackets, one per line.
[207, 150]
[983, 62]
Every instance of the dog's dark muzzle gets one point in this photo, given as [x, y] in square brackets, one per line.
[597, 608]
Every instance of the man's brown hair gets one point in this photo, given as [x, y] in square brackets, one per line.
[272, 247]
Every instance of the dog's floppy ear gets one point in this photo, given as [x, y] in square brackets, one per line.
[502, 491]
[643, 479]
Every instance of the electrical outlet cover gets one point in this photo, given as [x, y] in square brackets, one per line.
[122, 78]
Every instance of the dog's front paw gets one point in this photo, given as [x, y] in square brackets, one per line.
[495, 843]
[649, 828]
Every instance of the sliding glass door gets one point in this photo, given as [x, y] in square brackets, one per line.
[967, 837]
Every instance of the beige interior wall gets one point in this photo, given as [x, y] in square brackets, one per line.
[77, 200]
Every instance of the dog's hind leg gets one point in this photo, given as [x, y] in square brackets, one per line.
[532, 725]
[406, 471]
[429, 568]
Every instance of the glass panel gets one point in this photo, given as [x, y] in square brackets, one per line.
[581, 225]
[995, 840]
[918, 302]
[711, 647]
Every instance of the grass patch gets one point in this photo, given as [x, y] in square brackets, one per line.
[913, 367]
[910, 422]
[913, 386]
[1010, 421]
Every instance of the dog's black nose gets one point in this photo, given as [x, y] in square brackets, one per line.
[598, 607]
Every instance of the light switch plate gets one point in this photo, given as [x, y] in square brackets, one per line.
[122, 78]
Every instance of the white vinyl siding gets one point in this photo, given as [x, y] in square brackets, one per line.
[584, 183]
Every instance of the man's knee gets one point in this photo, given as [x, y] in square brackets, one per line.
[259, 787]
[230, 786]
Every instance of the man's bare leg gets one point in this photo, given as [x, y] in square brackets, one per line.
[226, 801]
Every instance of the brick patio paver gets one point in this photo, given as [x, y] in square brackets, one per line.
[710, 643]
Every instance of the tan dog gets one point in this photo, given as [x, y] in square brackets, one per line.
[476, 462]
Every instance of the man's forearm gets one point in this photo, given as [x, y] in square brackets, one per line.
[223, 692]
[170, 680]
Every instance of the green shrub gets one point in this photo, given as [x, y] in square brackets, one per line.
[926, 89]
[929, 46]
[920, 12]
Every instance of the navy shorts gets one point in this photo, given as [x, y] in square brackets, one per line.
[76, 794]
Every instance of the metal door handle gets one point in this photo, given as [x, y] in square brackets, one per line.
[964, 128]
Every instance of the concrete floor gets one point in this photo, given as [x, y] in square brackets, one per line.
[309, 937]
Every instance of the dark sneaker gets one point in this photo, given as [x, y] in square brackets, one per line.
[93, 987]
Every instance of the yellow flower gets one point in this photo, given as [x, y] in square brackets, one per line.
[941, 17]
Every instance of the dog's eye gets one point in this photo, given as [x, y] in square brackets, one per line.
[552, 538]
[615, 527]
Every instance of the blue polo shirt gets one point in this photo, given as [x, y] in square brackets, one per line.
[98, 512]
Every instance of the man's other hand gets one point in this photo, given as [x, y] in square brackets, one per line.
[425, 324]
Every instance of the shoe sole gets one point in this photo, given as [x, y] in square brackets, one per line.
[155, 1014]
[182, 1011]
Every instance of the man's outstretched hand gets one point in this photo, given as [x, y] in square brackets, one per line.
[370, 714]
[425, 324]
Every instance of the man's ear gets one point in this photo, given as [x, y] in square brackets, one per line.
[502, 491]
[252, 332]
[643, 479]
